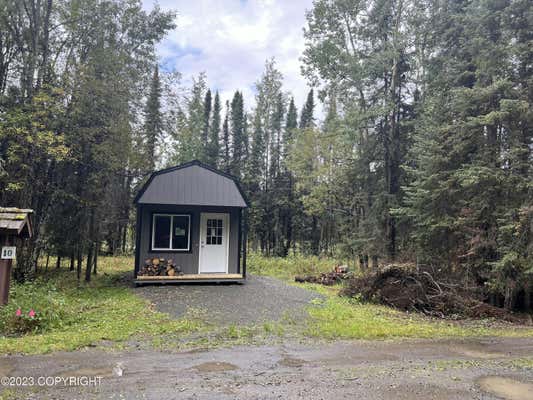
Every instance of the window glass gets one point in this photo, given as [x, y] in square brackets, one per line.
[214, 231]
[180, 234]
[161, 232]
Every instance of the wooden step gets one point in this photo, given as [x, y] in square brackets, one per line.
[190, 277]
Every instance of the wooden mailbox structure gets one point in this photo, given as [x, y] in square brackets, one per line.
[14, 223]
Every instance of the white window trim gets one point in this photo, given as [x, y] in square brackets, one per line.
[171, 232]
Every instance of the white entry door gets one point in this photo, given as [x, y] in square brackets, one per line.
[214, 241]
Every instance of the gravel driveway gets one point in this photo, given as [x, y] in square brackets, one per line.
[259, 299]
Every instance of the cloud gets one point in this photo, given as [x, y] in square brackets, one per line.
[231, 39]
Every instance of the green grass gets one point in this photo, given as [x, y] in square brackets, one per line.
[344, 318]
[73, 316]
[288, 267]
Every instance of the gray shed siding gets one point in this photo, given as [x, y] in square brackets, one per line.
[188, 261]
[193, 185]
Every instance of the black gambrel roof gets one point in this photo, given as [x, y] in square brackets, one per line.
[192, 183]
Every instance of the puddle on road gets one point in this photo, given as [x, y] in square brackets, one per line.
[215, 366]
[6, 368]
[474, 353]
[506, 388]
[105, 372]
[291, 362]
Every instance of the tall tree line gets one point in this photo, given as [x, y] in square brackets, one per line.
[74, 77]
[422, 151]
[431, 111]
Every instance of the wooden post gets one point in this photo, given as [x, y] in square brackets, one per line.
[14, 223]
[5, 274]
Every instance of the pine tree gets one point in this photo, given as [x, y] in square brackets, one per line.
[237, 134]
[307, 119]
[291, 123]
[191, 128]
[153, 125]
[226, 146]
[469, 197]
[254, 187]
[277, 188]
[288, 206]
[213, 145]
[207, 121]
[265, 121]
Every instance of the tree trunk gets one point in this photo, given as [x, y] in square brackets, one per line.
[527, 298]
[89, 265]
[58, 262]
[508, 302]
[90, 251]
[79, 262]
[71, 261]
[95, 264]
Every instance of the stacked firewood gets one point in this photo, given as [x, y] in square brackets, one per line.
[160, 267]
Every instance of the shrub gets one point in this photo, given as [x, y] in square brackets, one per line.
[22, 322]
[41, 296]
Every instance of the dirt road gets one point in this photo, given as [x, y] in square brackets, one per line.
[470, 369]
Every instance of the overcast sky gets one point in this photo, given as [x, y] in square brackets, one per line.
[231, 39]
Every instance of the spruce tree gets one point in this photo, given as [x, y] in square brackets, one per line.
[307, 119]
[237, 134]
[213, 145]
[291, 123]
[207, 122]
[288, 206]
[191, 129]
[153, 120]
[225, 161]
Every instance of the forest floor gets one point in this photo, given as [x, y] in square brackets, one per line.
[274, 339]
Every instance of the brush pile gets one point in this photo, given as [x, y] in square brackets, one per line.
[159, 267]
[414, 290]
[338, 274]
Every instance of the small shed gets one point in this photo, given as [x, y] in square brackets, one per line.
[190, 226]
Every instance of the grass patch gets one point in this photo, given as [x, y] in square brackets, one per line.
[344, 318]
[286, 268]
[72, 316]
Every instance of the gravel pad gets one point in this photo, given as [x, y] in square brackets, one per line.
[259, 299]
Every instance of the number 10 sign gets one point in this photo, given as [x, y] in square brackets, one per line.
[8, 253]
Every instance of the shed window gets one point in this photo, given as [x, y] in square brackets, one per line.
[171, 232]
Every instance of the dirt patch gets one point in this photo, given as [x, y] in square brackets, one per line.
[506, 388]
[291, 362]
[215, 366]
